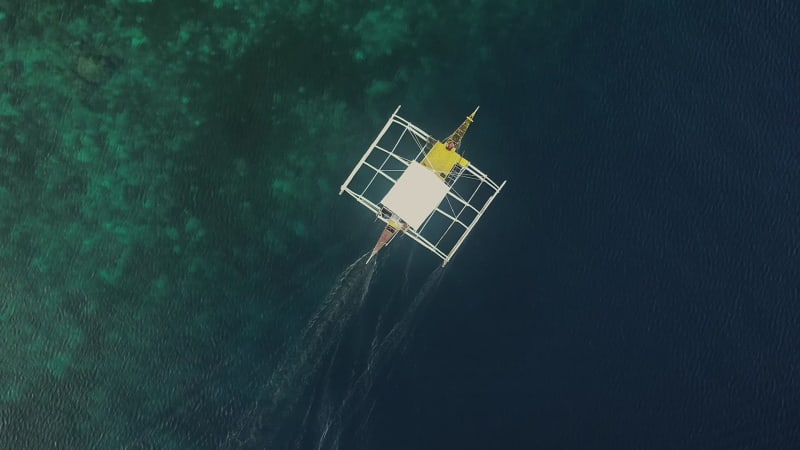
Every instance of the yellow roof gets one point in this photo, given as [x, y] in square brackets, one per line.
[441, 160]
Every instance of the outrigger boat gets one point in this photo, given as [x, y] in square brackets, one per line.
[427, 189]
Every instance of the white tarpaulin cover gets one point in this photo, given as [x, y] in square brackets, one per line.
[416, 194]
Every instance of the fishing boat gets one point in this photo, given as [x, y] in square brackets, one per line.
[422, 187]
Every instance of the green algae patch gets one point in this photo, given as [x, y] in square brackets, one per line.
[59, 364]
[282, 187]
[161, 283]
[300, 229]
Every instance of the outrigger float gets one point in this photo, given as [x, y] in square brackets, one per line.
[427, 189]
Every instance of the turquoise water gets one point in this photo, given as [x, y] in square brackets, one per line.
[170, 220]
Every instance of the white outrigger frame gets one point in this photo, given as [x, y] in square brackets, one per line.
[424, 142]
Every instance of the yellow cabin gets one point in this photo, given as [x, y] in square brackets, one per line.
[443, 161]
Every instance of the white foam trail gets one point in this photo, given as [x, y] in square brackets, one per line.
[387, 302]
[293, 380]
[293, 375]
[359, 398]
[310, 399]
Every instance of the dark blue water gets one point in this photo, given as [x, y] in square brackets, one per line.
[637, 285]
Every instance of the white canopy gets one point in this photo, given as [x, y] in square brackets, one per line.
[417, 193]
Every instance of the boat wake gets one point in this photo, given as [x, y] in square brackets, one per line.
[322, 394]
[290, 390]
[355, 410]
[321, 389]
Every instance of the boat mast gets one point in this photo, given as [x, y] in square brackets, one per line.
[457, 135]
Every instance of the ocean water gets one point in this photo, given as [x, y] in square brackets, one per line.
[178, 271]
[640, 276]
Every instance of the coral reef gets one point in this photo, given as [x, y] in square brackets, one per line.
[162, 161]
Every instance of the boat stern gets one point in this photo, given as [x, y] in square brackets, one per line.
[392, 229]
